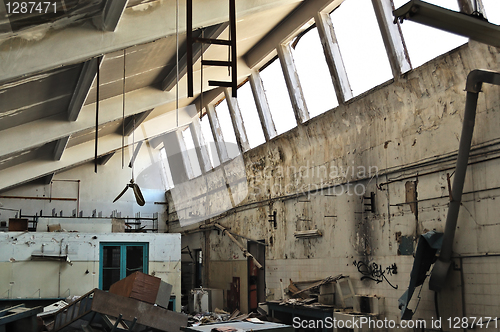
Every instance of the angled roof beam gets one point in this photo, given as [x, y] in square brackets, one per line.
[35, 133]
[104, 159]
[87, 76]
[113, 11]
[212, 32]
[60, 147]
[135, 28]
[48, 178]
[287, 29]
[84, 152]
[134, 121]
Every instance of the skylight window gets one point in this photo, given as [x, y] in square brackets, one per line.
[362, 48]
[250, 116]
[425, 43]
[278, 97]
[314, 74]
[227, 129]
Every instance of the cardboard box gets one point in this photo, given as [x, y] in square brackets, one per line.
[143, 287]
[16, 225]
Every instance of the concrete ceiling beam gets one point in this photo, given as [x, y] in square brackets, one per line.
[85, 81]
[299, 20]
[138, 25]
[82, 153]
[36, 133]
[60, 147]
[112, 13]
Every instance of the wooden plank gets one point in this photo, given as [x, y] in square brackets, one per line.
[146, 314]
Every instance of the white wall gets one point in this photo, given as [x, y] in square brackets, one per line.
[22, 278]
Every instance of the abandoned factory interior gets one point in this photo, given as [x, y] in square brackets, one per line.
[234, 165]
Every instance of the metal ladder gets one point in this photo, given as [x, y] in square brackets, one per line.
[232, 47]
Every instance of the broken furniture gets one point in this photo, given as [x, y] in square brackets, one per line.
[143, 287]
[121, 312]
[19, 319]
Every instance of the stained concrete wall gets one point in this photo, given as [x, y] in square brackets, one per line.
[23, 278]
[399, 141]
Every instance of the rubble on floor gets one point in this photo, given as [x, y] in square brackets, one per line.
[136, 303]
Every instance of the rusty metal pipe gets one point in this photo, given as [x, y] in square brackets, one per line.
[245, 251]
[475, 79]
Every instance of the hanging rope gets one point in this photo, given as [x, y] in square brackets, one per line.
[123, 112]
[97, 116]
[177, 62]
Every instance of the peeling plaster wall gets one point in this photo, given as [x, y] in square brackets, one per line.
[407, 133]
[23, 278]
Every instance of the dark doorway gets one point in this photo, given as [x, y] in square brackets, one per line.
[256, 276]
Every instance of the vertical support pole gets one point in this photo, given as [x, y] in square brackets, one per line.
[237, 120]
[220, 144]
[263, 110]
[333, 57]
[392, 37]
[232, 23]
[467, 6]
[189, 46]
[293, 83]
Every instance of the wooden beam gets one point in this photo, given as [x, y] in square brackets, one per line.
[87, 76]
[333, 57]
[266, 119]
[293, 83]
[220, 144]
[237, 120]
[392, 37]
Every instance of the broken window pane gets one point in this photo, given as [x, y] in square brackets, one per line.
[278, 98]
[362, 48]
[251, 120]
[227, 129]
[191, 152]
[424, 43]
[209, 139]
[314, 74]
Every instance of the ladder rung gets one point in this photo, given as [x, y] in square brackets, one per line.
[220, 83]
[213, 41]
[216, 63]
